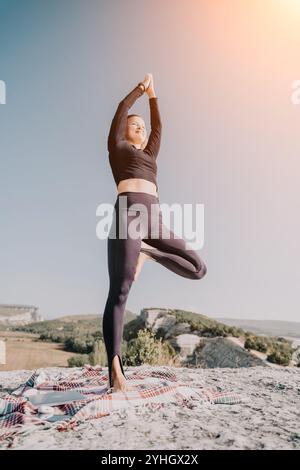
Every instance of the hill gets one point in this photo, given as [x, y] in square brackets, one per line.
[268, 327]
[66, 325]
[162, 335]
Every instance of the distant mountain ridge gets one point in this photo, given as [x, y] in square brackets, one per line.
[267, 327]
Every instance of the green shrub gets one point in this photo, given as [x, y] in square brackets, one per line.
[247, 334]
[194, 326]
[280, 352]
[78, 361]
[280, 357]
[98, 356]
[256, 343]
[132, 328]
[233, 331]
[44, 337]
[214, 331]
[83, 345]
[147, 349]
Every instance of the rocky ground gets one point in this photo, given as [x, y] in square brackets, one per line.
[268, 419]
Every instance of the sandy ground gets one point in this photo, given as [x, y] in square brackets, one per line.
[268, 419]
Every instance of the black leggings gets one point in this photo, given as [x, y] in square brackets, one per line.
[123, 251]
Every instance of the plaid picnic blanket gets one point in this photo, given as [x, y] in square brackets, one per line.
[153, 387]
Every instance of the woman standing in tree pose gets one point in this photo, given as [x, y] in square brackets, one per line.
[133, 162]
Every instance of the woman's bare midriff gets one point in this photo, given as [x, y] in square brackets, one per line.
[137, 185]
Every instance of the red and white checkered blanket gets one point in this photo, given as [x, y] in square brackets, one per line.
[153, 387]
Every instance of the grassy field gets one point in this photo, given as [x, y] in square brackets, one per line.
[23, 351]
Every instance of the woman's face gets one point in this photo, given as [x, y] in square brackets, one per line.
[136, 130]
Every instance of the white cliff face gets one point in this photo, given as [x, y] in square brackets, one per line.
[149, 316]
[19, 314]
[186, 344]
[157, 318]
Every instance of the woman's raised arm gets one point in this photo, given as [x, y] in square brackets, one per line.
[154, 140]
[119, 122]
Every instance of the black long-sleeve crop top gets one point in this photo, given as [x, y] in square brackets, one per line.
[125, 159]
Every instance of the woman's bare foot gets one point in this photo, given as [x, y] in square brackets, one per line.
[120, 384]
[118, 379]
[141, 259]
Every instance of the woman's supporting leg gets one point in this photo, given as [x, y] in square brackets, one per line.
[112, 324]
[122, 259]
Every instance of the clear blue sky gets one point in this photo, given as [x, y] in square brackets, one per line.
[223, 74]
